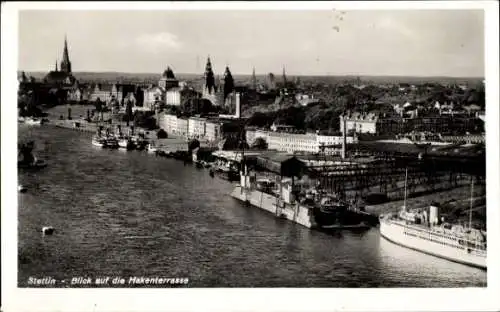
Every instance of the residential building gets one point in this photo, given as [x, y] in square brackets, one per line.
[168, 123]
[182, 127]
[213, 130]
[359, 122]
[197, 127]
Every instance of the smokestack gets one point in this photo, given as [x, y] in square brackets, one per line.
[344, 135]
[238, 107]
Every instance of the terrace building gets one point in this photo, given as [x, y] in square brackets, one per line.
[309, 143]
[197, 127]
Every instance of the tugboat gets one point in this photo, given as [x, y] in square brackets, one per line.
[227, 173]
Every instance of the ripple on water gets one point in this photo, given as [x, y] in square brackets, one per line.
[131, 214]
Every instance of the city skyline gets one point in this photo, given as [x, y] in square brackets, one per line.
[388, 43]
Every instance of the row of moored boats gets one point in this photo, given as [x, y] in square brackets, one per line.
[121, 141]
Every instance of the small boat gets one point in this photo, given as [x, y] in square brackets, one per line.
[199, 164]
[33, 121]
[21, 188]
[140, 143]
[99, 141]
[111, 142]
[48, 230]
[152, 149]
[126, 143]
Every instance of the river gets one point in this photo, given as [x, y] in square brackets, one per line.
[122, 214]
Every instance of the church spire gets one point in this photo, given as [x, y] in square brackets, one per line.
[56, 66]
[65, 63]
[254, 80]
[228, 82]
[209, 77]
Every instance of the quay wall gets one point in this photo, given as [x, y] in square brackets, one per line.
[166, 145]
[296, 213]
[460, 196]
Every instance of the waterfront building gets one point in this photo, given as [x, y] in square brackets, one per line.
[299, 142]
[197, 127]
[213, 128]
[182, 127]
[168, 123]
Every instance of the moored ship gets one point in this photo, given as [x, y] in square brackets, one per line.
[126, 143]
[98, 141]
[334, 213]
[426, 232]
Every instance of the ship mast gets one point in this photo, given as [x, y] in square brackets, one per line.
[406, 181]
[471, 200]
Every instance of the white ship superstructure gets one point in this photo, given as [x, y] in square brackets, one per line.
[452, 242]
[424, 231]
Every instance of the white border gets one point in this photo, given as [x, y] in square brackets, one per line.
[14, 299]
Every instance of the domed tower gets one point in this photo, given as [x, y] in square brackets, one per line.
[168, 79]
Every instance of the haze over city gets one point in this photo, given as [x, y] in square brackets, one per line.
[410, 43]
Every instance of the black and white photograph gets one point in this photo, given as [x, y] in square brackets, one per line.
[219, 145]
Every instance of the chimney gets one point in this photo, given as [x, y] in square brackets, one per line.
[238, 107]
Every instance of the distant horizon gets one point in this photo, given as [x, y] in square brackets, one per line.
[278, 76]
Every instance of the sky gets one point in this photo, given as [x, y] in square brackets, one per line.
[327, 42]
